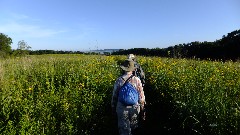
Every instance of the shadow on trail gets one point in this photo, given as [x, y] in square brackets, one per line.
[159, 120]
[161, 116]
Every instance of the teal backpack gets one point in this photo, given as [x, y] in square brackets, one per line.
[128, 95]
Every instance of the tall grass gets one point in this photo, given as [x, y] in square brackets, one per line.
[70, 94]
[53, 94]
[206, 93]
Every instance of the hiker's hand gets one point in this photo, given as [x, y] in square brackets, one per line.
[143, 114]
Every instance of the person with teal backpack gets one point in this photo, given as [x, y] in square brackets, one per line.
[128, 99]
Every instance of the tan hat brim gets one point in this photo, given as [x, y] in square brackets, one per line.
[127, 68]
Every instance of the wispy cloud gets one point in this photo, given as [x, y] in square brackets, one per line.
[22, 25]
[18, 16]
[28, 30]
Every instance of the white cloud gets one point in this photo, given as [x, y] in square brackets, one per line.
[19, 16]
[23, 26]
[28, 30]
[42, 34]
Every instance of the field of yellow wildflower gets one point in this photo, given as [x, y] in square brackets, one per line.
[71, 94]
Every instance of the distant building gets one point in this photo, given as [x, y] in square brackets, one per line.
[104, 51]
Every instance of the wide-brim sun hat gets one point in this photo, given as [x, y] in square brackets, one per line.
[128, 65]
[131, 56]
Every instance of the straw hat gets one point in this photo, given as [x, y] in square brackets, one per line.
[131, 56]
[128, 65]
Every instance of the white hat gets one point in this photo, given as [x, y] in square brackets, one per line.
[131, 56]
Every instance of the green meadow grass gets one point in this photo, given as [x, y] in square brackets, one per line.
[71, 94]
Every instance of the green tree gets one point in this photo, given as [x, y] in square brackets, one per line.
[23, 49]
[22, 45]
[5, 45]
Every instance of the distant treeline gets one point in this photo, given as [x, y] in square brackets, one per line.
[39, 52]
[227, 48]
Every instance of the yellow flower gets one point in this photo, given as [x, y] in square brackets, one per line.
[66, 106]
[81, 85]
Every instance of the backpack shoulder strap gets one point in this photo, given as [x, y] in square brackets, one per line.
[127, 79]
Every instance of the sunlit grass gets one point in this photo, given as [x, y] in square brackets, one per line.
[70, 94]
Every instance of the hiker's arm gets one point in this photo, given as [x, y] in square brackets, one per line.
[142, 102]
[141, 93]
[142, 73]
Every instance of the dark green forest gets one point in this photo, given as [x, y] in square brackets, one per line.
[227, 48]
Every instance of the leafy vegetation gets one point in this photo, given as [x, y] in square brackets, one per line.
[5, 45]
[71, 94]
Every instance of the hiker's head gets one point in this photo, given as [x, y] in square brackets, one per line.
[128, 65]
[132, 57]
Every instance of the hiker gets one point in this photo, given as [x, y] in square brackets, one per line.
[127, 115]
[139, 71]
[141, 75]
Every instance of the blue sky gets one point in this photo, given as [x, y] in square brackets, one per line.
[116, 24]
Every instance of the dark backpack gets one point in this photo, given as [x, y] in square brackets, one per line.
[139, 73]
[128, 95]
